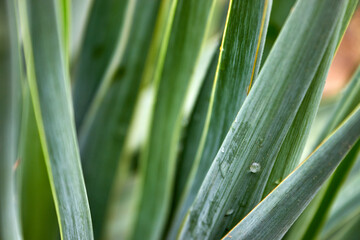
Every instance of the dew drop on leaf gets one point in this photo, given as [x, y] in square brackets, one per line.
[255, 167]
[229, 212]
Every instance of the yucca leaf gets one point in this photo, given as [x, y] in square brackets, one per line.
[279, 12]
[9, 119]
[194, 129]
[79, 14]
[37, 205]
[327, 195]
[102, 139]
[64, 24]
[349, 100]
[50, 91]
[184, 37]
[235, 181]
[345, 209]
[100, 53]
[271, 218]
[294, 143]
[239, 61]
[158, 39]
[311, 219]
[349, 232]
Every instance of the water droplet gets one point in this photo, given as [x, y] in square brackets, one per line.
[277, 182]
[255, 167]
[229, 212]
[222, 149]
[236, 120]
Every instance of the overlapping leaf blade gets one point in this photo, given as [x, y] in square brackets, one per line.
[79, 14]
[294, 142]
[326, 196]
[9, 120]
[186, 30]
[263, 121]
[50, 91]
[99, 53]
[37, 205]
[345, 209]
[102, 141]
[239, 61]
[271, 218]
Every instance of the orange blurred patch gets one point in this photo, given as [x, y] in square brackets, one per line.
[346, 59]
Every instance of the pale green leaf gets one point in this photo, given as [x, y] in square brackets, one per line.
[345, 209]
[9, 119]
[37, 205]
[50, 91]
[239, 61]
[100, 53]
[102, 138]
[235, 181]
[294, 143]
[186, 29]
[271, 219]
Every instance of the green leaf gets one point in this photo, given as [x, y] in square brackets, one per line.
[194, 129]
[37, 205]
[100, 53]
[345, 209]
[279, 12]
[50, 91]
[350, 96]
[240, 57]
[102, 137]
[329, 193]
[294, 143]
[349, 232]
[271, 218]
[184, 37]
[79, 14]
[235, 181]
[313, 218]
[9, 119]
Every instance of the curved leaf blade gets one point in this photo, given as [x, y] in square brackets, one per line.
[271, 218]
[102, 141]
[238, 64]
[294, 143]
[9, 119]
[37, 205]
[100, 53]
[232, 187]
[183, 41]
[50, 92]
[345, 208]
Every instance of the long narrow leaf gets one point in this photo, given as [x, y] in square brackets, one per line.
[345, 209]
[235, 181]
[239, 61]
[100, 52]
[348, 102]
[37, 205]
[187, 28]
[102, 141]
[9, 123]
[50, 92]
[294, 143]
[271, 218]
